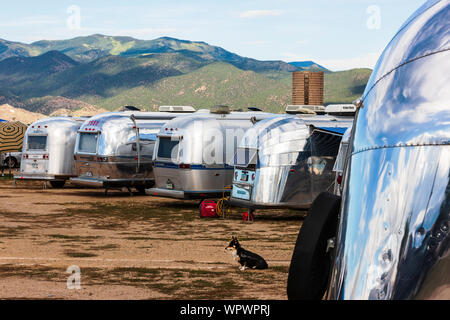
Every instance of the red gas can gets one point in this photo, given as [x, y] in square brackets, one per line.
[208, 209]
[248, 216]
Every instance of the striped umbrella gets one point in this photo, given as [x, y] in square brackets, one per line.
[11, 136]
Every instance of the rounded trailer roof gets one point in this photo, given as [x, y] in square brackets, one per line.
[60, 120]
[213, 119]
[406, 101]
[273, 131]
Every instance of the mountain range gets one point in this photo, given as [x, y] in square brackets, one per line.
[109, 72]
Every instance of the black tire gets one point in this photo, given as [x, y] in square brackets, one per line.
[141, 190]
[57, 184]
[310, 264]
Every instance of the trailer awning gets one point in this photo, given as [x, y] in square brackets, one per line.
[11, 136]
[338, 130]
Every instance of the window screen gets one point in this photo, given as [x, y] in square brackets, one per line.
[167, 147]
[245, 157]
[88, 142]
[37, 142]
[324, 144]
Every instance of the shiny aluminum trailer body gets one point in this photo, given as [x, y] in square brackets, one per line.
[194, 154]
[48, 148]
[341, 162]
[108, 153]
[287, 161]
[393, 240]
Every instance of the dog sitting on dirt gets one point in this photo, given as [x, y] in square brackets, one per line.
[247, 259]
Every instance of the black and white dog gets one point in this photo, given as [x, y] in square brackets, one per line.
[247, 259]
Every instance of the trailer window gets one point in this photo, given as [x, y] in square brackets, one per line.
[340, 160]
[246, 158]
[324, 144]
[167, 148]
[37, 142]
[88, 142]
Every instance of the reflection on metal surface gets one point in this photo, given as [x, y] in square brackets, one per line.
[394, 241]
[48, 149]
[291, 160]
[107, 151]
[196, 153]
[341, 162]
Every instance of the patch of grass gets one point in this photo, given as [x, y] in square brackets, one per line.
[105, 247]
[282, 269]
[161, 212]
[74, 238]
[136, 271]
[77, 254]
[36, 272]
[190, 284]
[109, 226]
[12, 231]
[141, 238]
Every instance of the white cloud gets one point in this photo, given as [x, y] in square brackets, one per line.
[144, 32]
[301, 42]
[365, 61]
[260, 13]
[257, 42]
[290, 57]
[31, 21]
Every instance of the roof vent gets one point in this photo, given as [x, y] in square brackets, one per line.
[341, 109]
[305, 109]
[129, 108]
[254, 109]
[176, 109]
[220, 109]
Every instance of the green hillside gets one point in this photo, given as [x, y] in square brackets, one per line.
[16, 49]
[345, 86]
[222, 83]
[217, 83]
[54, 74]
[117, 71]
[90, 48]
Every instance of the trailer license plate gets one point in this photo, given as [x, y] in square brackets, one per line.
[89, 174]
[35, 165]
[241, 193]
[244, 176]
[169, 185]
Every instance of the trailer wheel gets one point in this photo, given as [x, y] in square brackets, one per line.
[57, 184]
[141, 190]
[310, 263]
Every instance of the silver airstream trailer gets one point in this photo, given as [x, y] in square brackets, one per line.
[341, 162]
[47, 152]
[389, 236]
[287, 161]
[115, 149]
[194, 154]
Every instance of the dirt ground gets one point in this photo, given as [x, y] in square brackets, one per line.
[133, 247]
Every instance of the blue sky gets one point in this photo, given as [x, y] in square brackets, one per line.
[339, 34]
